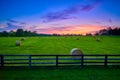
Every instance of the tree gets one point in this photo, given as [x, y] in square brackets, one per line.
[12, 33]
[109, 31]
[19, 33]
[5, 33]
[88, 34]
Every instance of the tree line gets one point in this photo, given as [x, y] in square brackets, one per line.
[19, 33]
[109, 31]
[25, 33]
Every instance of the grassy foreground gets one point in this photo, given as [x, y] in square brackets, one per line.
[86, 73]
[60, 45]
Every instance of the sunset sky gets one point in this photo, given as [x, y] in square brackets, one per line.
[59, 16]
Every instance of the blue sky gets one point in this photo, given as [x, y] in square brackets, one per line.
[59, 16]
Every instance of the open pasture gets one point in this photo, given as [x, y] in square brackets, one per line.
[60, 45]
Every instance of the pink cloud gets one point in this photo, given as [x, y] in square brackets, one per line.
[76, 29]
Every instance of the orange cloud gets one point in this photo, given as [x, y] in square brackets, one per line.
[78, 29]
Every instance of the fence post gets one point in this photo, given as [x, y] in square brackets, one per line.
[82, 60]
[30, 62]
[105, 63]
[56, 61]
[2, 60]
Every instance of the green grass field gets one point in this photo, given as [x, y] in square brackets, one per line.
[65, 73]
[60, 45]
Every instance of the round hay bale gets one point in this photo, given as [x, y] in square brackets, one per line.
[18, 43]
[22, 39]
[76, 51]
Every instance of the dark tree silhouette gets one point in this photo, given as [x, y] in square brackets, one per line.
[12, 33]
[4, 34]
[109, 31]
[19, 33]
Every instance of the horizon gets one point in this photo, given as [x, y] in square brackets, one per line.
[59, 16]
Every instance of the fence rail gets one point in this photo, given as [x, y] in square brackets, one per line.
[59, 60]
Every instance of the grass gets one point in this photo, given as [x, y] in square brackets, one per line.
[60, 45]
[66, 73]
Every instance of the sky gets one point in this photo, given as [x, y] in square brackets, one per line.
[59, 16]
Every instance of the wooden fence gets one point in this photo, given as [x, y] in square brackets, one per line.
[59, 60]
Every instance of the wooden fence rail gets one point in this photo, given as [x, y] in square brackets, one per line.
[59, 60]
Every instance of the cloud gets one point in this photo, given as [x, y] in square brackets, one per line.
[51, 30]
[53, 16]
[23, 23]
[16, 22]
[97, 22]
[12, 21]
[64, 28]
[11, 24]
[74, 29]
[3, 25]
[69, 12]
[8, 26]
